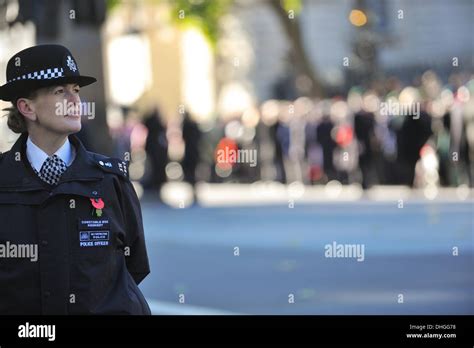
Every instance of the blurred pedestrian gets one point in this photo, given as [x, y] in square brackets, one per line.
[156, 147]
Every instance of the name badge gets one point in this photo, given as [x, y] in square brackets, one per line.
[94, 232]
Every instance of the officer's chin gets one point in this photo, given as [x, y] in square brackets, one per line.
[72, 123]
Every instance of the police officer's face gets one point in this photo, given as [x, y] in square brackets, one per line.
[57, 109]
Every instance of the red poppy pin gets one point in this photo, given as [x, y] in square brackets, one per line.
[98, 204]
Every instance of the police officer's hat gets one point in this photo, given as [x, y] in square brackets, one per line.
[41, 66]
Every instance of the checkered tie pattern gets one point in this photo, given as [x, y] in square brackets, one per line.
[52, 170]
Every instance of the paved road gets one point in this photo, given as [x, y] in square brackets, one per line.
[407, 252]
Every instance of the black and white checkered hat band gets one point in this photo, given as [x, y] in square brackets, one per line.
[47, 74]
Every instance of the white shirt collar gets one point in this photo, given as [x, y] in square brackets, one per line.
[36, 156]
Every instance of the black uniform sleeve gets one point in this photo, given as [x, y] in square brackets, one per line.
[137, 259]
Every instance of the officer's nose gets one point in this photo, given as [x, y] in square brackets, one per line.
[72, 97]
[73, 101]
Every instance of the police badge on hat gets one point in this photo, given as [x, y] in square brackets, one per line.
[71, 64]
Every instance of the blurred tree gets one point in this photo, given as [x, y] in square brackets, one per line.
[205, 15]
[288, 13]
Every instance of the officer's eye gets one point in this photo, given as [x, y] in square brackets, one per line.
[77, 89]
[59, 91]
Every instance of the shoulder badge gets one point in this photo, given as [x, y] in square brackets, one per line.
[113, 165]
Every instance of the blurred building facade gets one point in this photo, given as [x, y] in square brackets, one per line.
[408, 37]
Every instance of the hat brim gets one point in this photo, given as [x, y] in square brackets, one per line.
[22, 88]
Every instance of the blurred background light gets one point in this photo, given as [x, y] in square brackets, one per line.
[357, 18]
[197, 73]
[234, 99]
[333, 189]
[177, 194]
[174, 171]
[129, 68]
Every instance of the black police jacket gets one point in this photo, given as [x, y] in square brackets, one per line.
[88, 261]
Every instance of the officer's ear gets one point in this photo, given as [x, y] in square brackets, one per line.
[26, 106]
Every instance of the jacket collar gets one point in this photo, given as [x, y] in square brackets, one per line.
[16, 171]
[36, 156]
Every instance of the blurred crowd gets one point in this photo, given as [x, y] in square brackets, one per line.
[389, 134]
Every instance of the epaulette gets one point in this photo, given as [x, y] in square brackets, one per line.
[113, 165]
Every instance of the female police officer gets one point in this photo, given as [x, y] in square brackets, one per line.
[71, 231]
